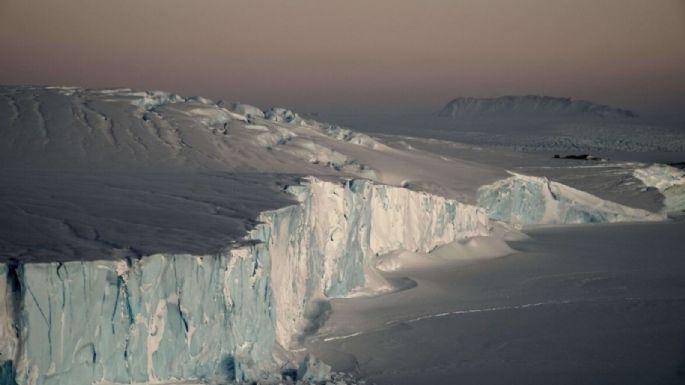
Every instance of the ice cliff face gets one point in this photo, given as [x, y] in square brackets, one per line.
[530, 104]
[8, 332]
[228, 317]
[670, 181]
[525, 200]
[347, 226]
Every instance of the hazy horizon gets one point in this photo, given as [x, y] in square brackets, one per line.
[329, 57]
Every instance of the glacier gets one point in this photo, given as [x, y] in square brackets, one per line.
[234, 316]
[526, 200]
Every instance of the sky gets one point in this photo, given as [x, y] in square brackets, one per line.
[354, 56]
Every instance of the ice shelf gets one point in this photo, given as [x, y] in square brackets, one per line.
[234, 316]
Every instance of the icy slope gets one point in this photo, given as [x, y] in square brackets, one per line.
[524, 200]
[230, 316]
[73, 128]
[670, 181]
[530, 104]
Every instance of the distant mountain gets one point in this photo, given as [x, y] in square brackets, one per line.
[530, 105]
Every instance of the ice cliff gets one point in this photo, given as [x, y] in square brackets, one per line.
[233, 316]
[670, 181]
[524, 200]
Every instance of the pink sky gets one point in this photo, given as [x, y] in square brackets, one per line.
[341, 56]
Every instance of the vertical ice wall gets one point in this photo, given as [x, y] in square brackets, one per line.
[219, 317]
[670, 181]
[524, 200]
[158, 318]
[324, 247]
[8, 331]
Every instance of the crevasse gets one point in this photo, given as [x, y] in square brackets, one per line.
[229, 317]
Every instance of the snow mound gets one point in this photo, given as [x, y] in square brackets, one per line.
[526, 200]
[246, 110]
[530, 105]
[282, 115]
[145, 100]
[476, 248]
[347, 135]
[212, 116]
[670, 181]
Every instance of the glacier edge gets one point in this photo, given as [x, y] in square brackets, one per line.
[527, 200]
[235, 316]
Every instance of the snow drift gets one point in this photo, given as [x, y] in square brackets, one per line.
[525, 200]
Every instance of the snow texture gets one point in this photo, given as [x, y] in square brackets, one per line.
[121, 129]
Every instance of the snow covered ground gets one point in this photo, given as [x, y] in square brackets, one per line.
[540, 124]
[149, 237]
[600, 304]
